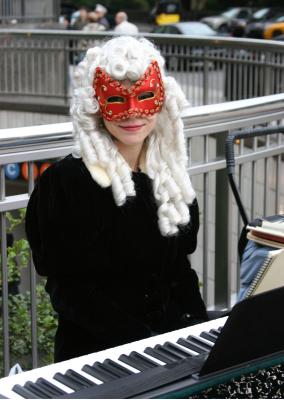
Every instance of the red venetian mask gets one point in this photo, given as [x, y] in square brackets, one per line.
[145, 97]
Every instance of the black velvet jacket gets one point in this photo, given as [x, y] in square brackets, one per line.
[111, 276]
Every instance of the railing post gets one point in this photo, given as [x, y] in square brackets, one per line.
[221, 229]
[269, 74]
[205, 77]
[5, 293]
[33, 284]
[66, 70]
[23, 11]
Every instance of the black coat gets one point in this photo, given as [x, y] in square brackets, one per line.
[111, 276]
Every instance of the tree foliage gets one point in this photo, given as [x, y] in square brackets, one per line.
[19, 307]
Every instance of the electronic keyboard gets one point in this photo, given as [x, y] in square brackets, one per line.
[120, 372]
[174, 364]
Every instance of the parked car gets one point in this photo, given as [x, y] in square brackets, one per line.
[221, 22]
[280, 38]
[255, 29]
[195, 57]
[166, 12]
[237, 25]
[274, 29]
[192, 28]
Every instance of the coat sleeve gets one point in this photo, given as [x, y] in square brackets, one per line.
[62, 249]
[187, 238]
[186, 306]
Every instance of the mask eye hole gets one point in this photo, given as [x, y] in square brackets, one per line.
[116, 99]
[145, 96]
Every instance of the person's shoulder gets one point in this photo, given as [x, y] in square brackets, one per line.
[194, 204]
[131, 27]
[67, 171]
[69, 165]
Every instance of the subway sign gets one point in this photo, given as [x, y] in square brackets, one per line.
[15, 171]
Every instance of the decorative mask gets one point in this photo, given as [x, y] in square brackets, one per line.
[145, 97]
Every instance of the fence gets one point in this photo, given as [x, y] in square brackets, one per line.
[37, 66]
[259, 166]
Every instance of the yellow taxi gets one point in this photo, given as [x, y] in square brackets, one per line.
[274, 29]
[167, 12]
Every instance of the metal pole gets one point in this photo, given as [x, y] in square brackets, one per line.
[205, 77]
[33, 285]
[5, 293]
[221, 229]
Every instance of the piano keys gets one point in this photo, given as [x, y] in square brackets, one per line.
[136, 365]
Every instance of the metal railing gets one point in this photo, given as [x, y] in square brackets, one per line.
[37, 66]
[259, 166]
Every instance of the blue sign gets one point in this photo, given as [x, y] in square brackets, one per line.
[12, 171]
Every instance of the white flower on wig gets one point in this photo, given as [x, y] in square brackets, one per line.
[127, 57]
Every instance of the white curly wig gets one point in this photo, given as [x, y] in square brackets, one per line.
[127, 57]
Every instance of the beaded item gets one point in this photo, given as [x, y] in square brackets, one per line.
[145, 97]
[265, 383]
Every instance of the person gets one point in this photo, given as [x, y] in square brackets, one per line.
[111, 224]
[64, 21]
[81, 20]
[123, 26]
[101, 12]
[93, 24]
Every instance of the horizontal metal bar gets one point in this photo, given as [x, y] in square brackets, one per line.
[197, 121]
[42, 132]
[32, 145]
[31, 103]
[35, 155]
[158, 38]
[232, 115]
[20, 201]
[14, 202]
[26, 18]
[207, 167]
[260, 154]
[244, 158]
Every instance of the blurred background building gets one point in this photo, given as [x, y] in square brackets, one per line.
[22, 11]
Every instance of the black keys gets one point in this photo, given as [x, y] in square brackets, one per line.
[117, 368]
[24, 392]
[215, 332]
[171, 351]
[68, 381]
[99, 371]
[34, 388]
[138, 361]
[156, 353]
[176, 349]
[49, 387]
[209, 336]
[41, 389]
[79, 378]
[110, 370]
[201, 342]
[198, 348]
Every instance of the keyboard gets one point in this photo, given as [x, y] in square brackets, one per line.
[120, 372]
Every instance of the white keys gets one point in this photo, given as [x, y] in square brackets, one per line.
[6, 384]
